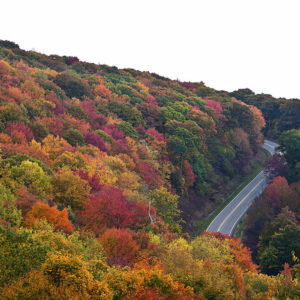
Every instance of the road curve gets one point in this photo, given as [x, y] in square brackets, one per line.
[228, 218]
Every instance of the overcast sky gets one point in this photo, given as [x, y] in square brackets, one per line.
[228, 44]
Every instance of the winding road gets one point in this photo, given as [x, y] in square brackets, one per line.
[227, 219]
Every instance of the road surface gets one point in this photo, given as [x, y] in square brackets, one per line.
[228, 218]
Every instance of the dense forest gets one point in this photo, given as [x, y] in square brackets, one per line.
[280, 114]
[272, 228]
[96, 165]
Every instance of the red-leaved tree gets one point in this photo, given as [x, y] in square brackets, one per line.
[216, 106]
[120, 247]
[110, 208]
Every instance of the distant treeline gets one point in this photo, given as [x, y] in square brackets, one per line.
[280, 114]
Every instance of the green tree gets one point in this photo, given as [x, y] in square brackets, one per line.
[290, 146]
[70, 189]
[74, 137]
[8, 210]
[39, 130]
[19, 253]
[128, 129]
[72, 85]
[279, 249]
[33, 177]
[166, 205]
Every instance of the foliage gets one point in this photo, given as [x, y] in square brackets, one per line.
[72, 85]
[290, 145]
[32, 176]
[74, 137]
[69, 189]
[166, 206]
[280, 115]
[120, 247]
[8, 209]
[118, 152]
[19, 253]
[59, 219]
[110, 208]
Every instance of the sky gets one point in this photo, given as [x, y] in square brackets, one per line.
[227, 44]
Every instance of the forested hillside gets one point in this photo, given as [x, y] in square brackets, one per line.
[272, 228]
[280, 114]
[93, 163]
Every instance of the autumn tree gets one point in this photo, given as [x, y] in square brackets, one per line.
[69, 189]
[61, 269]
[32, 176]
[59, 219]
[166, 205]
[19, 253]
[8, 209]
[120, 247]
[110, 208]
[277, 166]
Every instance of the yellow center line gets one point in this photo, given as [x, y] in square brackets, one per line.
[239, 204]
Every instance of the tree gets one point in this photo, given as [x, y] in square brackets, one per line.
[278, 241]
[95, 140]
[166, 205]
[289, 143]
[148, 174]
[126, 112]
[39, 130]
[182, 144]
[109, 208]
[73, 86]
[8, 210]
[279, 249]
[93, 181]
[216, 107]
[37, 285]
[59, 219]
[19, 253]
[74, 137]
[276, 195]
[120, 247]
[276, 166]
[188, 173]
[54, 146]
[151, 114]
[146, 280]
[128, 130]
[73, 161]
[20, 127]
[33, 177]
[69, 189]
[62, 269]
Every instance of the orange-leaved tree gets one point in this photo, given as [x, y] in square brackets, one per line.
[59, 219]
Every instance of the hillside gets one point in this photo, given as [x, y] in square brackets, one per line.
[180, 136]
[96, 162]
[280, 114]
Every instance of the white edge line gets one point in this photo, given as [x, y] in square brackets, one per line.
[207, 229]
[239, 218]
[234, 199]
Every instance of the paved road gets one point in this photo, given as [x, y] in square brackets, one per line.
[228, 218]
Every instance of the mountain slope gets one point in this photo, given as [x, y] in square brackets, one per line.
[93, 162]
